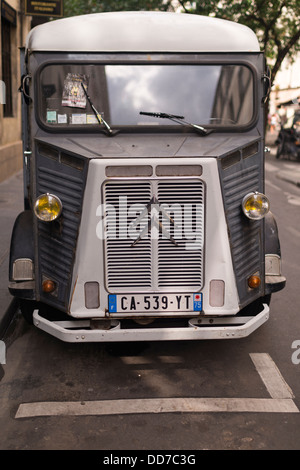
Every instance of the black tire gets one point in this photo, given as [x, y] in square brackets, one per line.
[255, 307]
[267, 299]
[27, 308]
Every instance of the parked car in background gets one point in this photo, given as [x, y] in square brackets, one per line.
[288, 140]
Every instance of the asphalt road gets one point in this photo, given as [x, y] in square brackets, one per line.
[250, 386]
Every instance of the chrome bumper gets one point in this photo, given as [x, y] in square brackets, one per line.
[209, 328]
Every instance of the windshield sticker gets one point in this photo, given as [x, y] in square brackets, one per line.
[91, 119]
[62, 119]
[78, 118]
[51, 117]
[73, 94]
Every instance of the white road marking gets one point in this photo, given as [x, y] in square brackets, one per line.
[281, 400]
[270, 375]
[292, 199]
[157, 405]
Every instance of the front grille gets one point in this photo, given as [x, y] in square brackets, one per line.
[245, 236]
[169, 260]
[56, 249]
[127, 267]
[178, 265]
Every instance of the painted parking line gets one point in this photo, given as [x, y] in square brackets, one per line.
[157, 405]
[271, 376]
[281, 400]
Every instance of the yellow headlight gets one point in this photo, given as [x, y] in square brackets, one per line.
[255, 205]
[47, 207]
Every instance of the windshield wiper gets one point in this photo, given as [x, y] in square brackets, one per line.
[97, 114]
[180, 120]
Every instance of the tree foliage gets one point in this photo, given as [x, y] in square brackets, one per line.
[276, 23]
[82, 7]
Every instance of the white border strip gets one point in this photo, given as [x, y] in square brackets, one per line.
[161, 405]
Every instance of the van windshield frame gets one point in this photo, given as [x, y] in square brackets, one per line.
[221, 95]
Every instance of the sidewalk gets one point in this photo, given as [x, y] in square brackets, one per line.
[292, 175]
[11, 204]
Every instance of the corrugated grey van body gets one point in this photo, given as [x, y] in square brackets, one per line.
[150, 226]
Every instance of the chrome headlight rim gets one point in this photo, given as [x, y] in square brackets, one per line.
[260, 212]
[50, 197]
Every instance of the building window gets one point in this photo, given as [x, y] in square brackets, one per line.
[6, 65]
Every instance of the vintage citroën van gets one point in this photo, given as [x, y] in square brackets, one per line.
[144, 209]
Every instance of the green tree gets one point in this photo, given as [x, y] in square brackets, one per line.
[276, 23]
[82, 7]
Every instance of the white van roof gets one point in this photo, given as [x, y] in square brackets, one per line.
[142, 32]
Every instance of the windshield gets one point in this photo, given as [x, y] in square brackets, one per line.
[72, 95]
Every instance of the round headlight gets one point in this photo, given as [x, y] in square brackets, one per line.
[255, 205]
[47, 207]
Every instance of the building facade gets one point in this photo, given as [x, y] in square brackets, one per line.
[285, 95]
[14, 28]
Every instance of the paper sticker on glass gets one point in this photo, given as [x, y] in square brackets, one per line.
[73, 94]
[51, 116]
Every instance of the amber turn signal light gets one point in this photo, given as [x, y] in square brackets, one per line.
[254, 281]
[48, 286]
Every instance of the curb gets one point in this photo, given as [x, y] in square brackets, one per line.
[8, 317]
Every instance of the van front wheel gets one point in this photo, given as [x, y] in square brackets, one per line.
[255, 307]
[27, 308]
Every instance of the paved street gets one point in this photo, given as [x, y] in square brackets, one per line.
[238, 394]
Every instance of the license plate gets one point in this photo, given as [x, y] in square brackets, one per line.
[142, 303]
